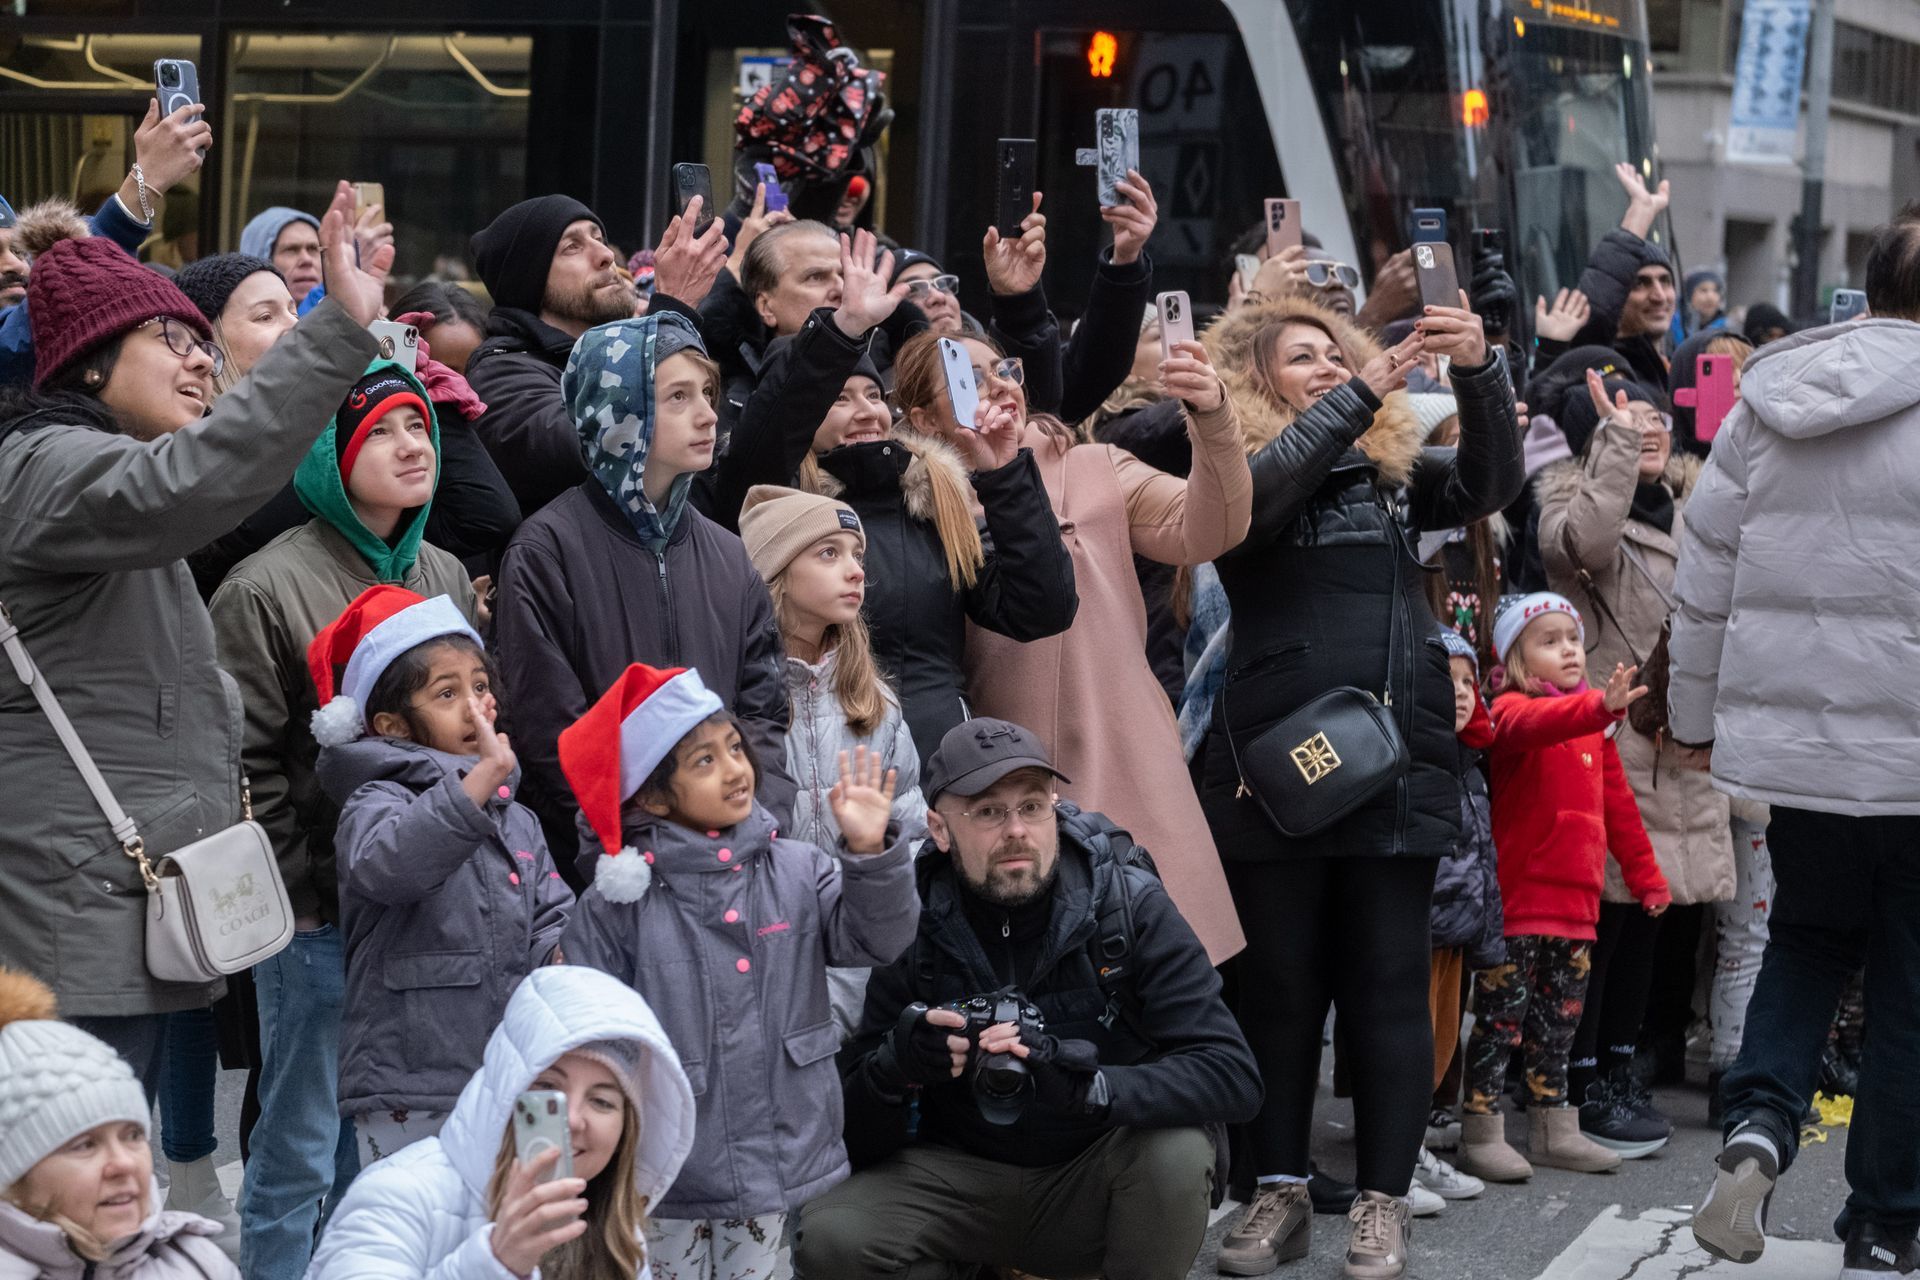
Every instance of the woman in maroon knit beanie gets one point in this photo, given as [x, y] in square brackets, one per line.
[115, 465]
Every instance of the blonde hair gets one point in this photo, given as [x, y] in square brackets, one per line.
[1514, 674]
[857, 682]
[1730, 344]
[81, 1240]
[614, 1205]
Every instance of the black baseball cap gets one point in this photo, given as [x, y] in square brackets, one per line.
[978, 753]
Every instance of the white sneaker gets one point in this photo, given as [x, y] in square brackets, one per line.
[1436, 1176]
[1423, 1202]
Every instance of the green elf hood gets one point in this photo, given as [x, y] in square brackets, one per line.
[321, 490]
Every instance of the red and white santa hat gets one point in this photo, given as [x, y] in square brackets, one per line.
[610, 751]
[381, 624]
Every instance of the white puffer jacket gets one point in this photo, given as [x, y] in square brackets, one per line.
[1794, 645]
[421, 1213]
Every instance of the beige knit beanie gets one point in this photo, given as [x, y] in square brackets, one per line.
[777, 524]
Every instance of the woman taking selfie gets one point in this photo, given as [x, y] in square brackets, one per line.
[464, 1205]
[1326, 593]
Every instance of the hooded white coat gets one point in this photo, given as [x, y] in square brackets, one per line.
[422, 1214]
[1794, 643]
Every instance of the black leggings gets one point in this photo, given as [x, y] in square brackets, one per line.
[1350, 932]
[1617, 994]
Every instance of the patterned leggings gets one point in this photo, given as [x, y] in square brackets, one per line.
[1543, 985]
[719, 1248]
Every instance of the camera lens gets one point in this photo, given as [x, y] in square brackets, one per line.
[170, 75]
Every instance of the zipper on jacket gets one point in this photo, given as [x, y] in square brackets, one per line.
[666, 604]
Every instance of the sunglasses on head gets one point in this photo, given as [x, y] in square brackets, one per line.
[1322, 275]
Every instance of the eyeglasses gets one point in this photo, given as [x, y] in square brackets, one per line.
[992, 817]
[1008, 370]
[945, 284]
[1322, 274]
[183, 341]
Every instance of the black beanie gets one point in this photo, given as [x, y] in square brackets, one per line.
[904, 258]
[514, 252]
[1578, 419]
[209, 282]
[372, 398]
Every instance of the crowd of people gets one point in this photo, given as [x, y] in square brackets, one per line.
[908, 838]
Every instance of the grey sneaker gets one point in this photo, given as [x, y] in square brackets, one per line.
[1731, 1222]
[1278, 1228]
[1377, 1249]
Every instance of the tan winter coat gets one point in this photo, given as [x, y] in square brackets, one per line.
[1584, 521]
[1089, 692]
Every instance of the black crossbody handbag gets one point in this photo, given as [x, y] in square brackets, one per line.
[1329, 757]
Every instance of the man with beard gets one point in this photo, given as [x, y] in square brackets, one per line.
[1096, 1158]
[548, 266]
[13, 268]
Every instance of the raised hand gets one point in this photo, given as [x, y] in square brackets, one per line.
[1014, 266]
[1188, 375]
[756, 221]
[865, 299]
[1454, 332]
[359, 286]
[169, 148]
[1643, 206]
[862, 802]
[685, 265]
[1622, 692]
[536, 1218]
[497, 760]
[1617, 410]
[1394, 295]
[994, 440]
[371, 230]
[1133, 220]
[1565, 318]
[1387, 372]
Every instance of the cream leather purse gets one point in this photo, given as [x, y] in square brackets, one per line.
[216, 906]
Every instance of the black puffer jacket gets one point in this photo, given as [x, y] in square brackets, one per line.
[1466, 887]
[1339, 494]
[1607, 281]
[1024, 590]
[1173, 1057]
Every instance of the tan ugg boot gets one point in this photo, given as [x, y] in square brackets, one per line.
[1555, 1141]
[1486, 1153]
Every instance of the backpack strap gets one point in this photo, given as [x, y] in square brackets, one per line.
[1111, 949]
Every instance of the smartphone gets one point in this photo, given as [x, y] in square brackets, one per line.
[368, 194]
[1176, 320]
[176, 84]
[1118, 133]
[1489, 242]
[399, 343]
[960, 385]
[776, 194]
[1014, 161]
[1711, 396]
[1439, 284]
[1429, 226]
[539, 1125]
[690, 180]
[1248, 266]
[1283, 226]
[1847, 303]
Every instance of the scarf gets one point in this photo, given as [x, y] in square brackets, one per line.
[1653, 504]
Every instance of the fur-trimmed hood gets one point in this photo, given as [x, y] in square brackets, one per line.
[916, 483]
[41, 226]
[1394, 440]
[1559, 481]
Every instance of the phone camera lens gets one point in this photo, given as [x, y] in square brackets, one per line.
[170, 76]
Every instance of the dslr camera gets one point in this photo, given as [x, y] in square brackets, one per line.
[1001, 1084]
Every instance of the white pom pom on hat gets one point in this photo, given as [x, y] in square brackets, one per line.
[608, 753]
[379, 626]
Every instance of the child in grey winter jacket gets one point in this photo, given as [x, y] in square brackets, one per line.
[727, 931]
[448, 896]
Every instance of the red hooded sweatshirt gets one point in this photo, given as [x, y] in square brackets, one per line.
[1560, 802]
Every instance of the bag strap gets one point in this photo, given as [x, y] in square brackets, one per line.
[1632, 553]
[124, 829]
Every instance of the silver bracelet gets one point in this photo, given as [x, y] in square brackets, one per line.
[140, 184]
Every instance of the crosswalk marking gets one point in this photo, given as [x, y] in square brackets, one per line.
[1658, 1245]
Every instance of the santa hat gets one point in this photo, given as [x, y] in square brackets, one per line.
[378, 627]
[611, 750]
[1515, 614]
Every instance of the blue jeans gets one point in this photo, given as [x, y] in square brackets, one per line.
[1848, 893]
[303, 1155]
[187, 1075]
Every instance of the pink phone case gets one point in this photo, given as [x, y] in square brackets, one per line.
[1712, 395]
